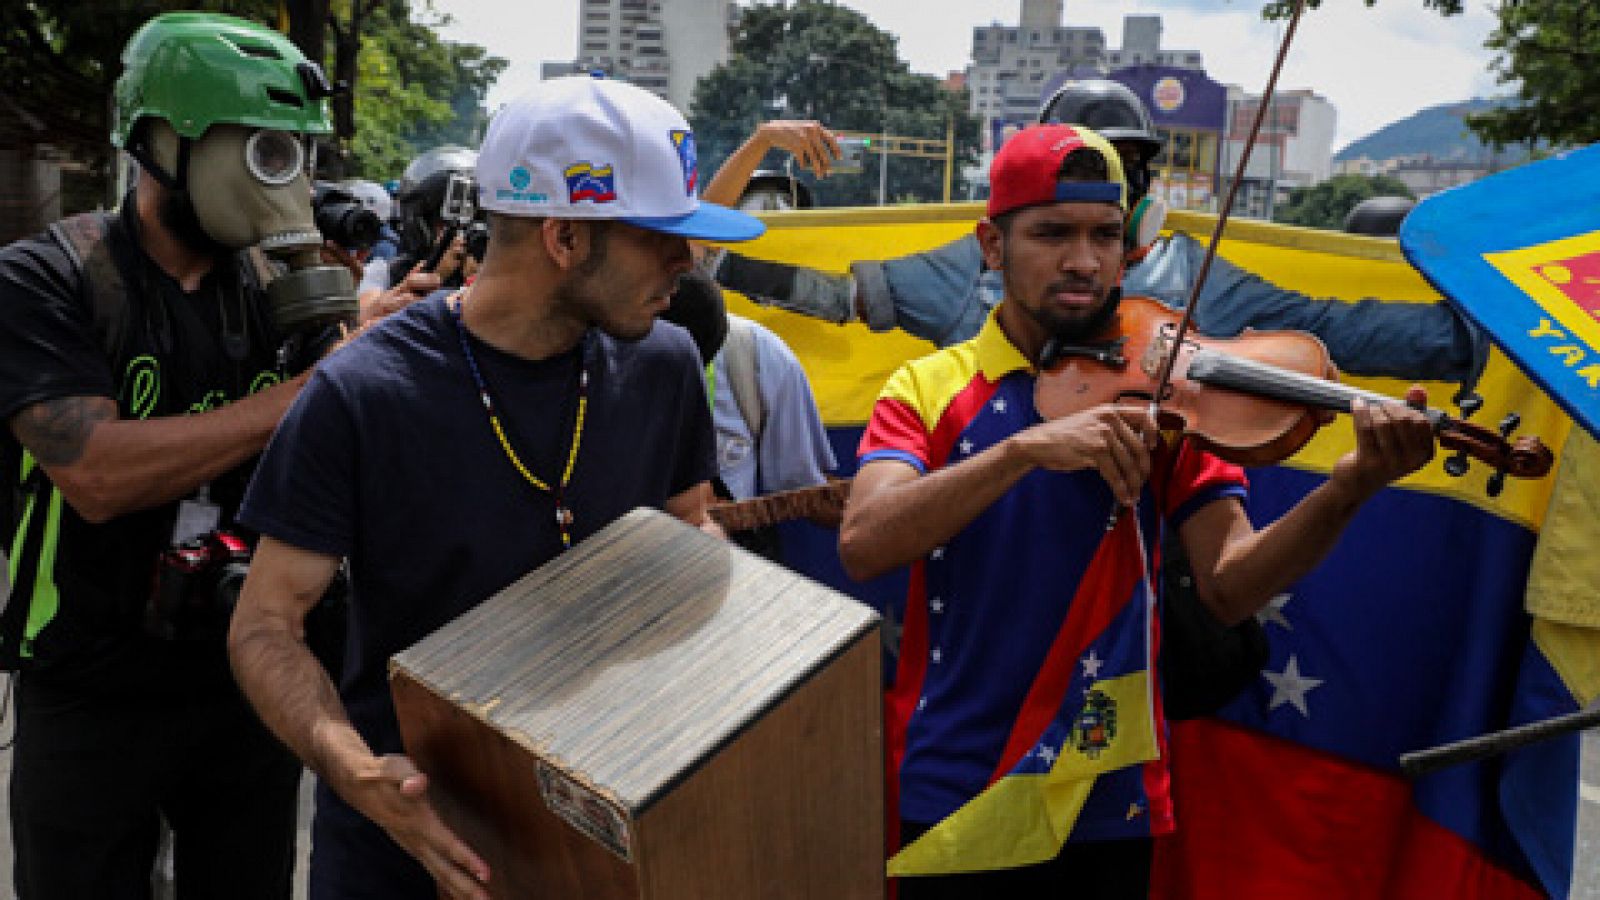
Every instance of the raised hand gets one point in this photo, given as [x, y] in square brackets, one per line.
[811, 143]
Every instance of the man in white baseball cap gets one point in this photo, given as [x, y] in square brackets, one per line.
[469, 438]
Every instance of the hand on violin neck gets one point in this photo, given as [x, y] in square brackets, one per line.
[1112, 439]
[1392, 441]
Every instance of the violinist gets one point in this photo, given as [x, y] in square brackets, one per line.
[1004, 520]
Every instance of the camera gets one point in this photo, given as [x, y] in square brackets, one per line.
[477, 240]
[342, 218]
[457, 212]
[197, 584]
[460, 200]
[852, 155]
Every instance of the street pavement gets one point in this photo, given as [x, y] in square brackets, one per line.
[1586, 864]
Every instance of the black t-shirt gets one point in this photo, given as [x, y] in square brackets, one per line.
[167, 359]
[387, 458]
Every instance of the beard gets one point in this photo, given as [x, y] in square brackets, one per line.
[594, 301]
[176, 214]
[1077, 328]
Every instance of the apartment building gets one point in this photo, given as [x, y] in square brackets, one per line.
[663, 46]
[1014, 68]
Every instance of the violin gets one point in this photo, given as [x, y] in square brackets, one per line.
[1255, 399]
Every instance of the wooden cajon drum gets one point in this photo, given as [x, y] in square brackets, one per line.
[656, 714]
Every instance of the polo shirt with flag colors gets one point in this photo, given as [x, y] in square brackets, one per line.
[1029, 638]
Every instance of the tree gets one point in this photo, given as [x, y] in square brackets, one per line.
[1325, 205]
[1282, 9]
[1549, 49]
[414, 91]
[816, 60]
[60, 59]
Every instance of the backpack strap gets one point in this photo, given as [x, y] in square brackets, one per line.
[260, 270]
[739, 357]
[84, 238]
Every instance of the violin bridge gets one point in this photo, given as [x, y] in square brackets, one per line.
[1156, 352]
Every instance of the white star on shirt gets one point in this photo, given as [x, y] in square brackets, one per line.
[1289, 686]
[966, 448]
[999, 404]
[1046, 753]
[937, 554]
[1091, 665]
[936, 605]
[922, 703]
[937, 655]
[1272, 613]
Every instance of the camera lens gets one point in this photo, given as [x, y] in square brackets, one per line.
[347, 223]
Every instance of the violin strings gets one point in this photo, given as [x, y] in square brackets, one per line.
[1253, 376]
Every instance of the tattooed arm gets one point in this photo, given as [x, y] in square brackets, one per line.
[106, 467]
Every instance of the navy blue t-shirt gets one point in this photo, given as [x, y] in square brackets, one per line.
[387, 457]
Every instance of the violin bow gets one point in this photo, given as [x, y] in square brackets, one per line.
[1164, 380]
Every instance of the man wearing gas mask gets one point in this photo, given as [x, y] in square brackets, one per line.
[146, 360]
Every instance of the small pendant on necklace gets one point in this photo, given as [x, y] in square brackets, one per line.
[563, 517]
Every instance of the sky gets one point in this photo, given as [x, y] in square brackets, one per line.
[1376, 65]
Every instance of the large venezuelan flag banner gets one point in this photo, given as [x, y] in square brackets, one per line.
[1415, 632]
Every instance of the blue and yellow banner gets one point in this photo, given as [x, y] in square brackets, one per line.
[1519, 252]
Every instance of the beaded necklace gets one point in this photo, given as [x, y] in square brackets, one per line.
[564, 515]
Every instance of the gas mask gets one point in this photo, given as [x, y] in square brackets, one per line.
[1144, 226]
[251, 187]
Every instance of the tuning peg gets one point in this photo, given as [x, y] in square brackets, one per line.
[1469, 403]
[1509, 424]
[1457, 464]
[1497, 483]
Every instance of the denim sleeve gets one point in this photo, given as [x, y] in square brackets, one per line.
[1421, 341]
[935, 295]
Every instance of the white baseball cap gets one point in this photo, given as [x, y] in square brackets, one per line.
[589, 148]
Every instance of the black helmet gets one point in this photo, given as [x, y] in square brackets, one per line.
[1106, 106]
[1378, 216]
[770, 189]
[448, 158]
[422, 190]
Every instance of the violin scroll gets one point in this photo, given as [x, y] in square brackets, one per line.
[1525, 457]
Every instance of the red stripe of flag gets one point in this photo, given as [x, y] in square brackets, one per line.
[1259, 816]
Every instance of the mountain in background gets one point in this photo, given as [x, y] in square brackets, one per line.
[1440, 131]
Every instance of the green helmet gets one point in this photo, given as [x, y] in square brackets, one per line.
[196, 70]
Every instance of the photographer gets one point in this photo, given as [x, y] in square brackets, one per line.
[375, 197]
[406, 278]
[146, 362]
[344, 219]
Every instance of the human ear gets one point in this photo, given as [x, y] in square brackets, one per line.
[991, 240]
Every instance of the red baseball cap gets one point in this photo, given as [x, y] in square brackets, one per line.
[1027, 170]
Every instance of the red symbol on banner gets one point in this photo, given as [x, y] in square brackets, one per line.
[1578, 278]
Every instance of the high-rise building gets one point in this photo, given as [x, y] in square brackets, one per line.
[1010, 64]
[1293, 150]
[663, 46]
[1141, 46]
[1014, 69]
